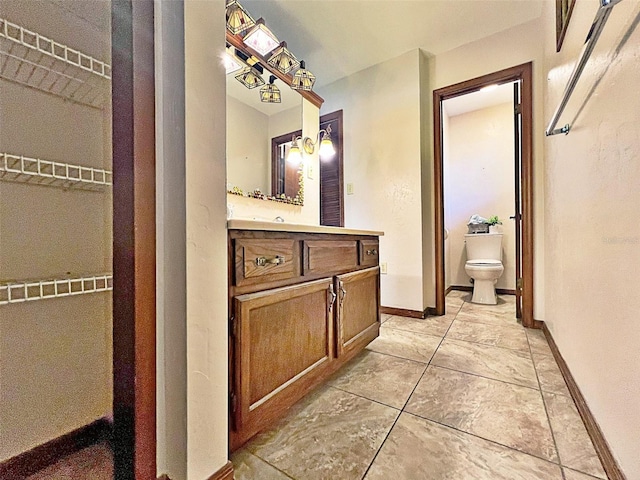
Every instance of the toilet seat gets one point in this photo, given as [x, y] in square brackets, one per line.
[483, 262]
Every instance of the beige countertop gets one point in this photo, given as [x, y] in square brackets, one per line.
[237, 224]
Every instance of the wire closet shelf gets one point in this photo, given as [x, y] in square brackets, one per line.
[27, 291]
[35, 61]
[18, 168]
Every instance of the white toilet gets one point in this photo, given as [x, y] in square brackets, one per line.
[484, 265]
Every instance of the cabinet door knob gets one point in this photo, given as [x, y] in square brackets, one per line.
[372, 252]
[343, 294]
[263, 261]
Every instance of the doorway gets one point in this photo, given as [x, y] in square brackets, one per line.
[523, 202]
[331, 174]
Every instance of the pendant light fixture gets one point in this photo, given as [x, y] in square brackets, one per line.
[260, 38]
[270, 93]
[303, 79]
[250, 77]
[283, 60]
[238, 19]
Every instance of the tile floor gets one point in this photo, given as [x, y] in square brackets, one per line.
[471, 395]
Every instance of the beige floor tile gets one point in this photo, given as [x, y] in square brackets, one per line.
[495, 335]
[476, 315]
[409, 345]
[419, 449]
[330, 435]
[384, 317]
[437, 326]
[464, 295]
[382, 378]
[508, 414]
[247, 466]
[492, 362]
[573, 475]
[538, 342]
[574, 445]
[95, 463]
[551, 379]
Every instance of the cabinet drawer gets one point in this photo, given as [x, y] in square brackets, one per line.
[330, 256]
[369, 252]
[265, 260]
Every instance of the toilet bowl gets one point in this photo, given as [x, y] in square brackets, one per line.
[484, 265]
[485, 274]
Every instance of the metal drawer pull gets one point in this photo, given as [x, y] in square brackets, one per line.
[372, 252]
[263, 261]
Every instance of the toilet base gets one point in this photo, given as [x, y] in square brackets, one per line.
[484, 292]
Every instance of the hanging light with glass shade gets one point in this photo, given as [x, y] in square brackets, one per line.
[303, 79]
[270, 93]
[231, 62]
[260, 38]
[238, 19]
[283, 60]
[251, 77]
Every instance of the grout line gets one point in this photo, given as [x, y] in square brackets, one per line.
[483, 438]
[485, 377]
[546, 410]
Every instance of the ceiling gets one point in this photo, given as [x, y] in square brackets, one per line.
[337, 38]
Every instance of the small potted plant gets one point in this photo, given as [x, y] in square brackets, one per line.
[494, 223]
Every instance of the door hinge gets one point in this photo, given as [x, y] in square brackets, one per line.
[518, 109]
[519, 283]
[233, 328]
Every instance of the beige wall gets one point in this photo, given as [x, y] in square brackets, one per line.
[479, 178]
[511, 47]
[55, 355]
[206, 254]
[591, 222]
[382, 160]
[248, 147]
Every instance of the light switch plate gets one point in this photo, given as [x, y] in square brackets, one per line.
[349, 188]
[383, 268]
[310, 171]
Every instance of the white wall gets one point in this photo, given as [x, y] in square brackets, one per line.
[591, 221]
[479, 178]
[55, 354]
[511, 47]
[382, 159]
[206, 237]
[248, 147]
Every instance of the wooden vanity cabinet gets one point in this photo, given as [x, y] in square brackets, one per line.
[301, 305]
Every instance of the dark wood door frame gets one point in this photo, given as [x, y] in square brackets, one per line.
[338, 138]
[134, 242]
[521, 73]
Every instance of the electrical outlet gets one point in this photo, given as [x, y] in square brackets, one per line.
[383, 268]
[349, 188]
[310, 171]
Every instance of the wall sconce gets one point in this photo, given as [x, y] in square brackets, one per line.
[270, 93]
[238, 19]
[303, 79]
[326, 150]
[260, 38]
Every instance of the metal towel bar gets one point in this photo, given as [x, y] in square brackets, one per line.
[606, 6]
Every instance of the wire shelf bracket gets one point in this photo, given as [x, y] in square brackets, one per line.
[38, 62]
[606, 6]
[19, 292]
[18, 168]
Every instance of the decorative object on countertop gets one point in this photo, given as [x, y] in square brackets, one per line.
[477, 224]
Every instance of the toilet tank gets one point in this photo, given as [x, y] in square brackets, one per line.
[484, 246]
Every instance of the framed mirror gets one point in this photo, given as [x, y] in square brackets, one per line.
[252, 128]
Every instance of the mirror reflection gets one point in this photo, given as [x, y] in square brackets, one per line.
[259, 135]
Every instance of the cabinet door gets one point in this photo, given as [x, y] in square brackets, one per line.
[358, 320]
[283, 344]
